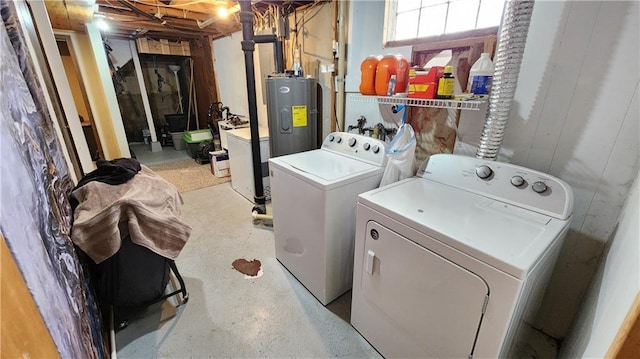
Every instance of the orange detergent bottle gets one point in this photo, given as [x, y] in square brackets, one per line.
[368, 75]
[386, 67]
[402, 74]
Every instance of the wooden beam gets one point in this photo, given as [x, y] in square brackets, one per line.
[204, 76]
[185, 27]
[165, 11]
[79, 15]
[452, 44]
[626, 343]
[68, 15]
[203, 7]
[58, 15]
[443, 38]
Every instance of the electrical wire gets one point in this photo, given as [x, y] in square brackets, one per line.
[317, 6]
[335, 114]
[172, 6]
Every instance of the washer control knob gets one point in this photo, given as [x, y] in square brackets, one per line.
[331, 138]
[517, 181]
[484, 172]
[539, 187]
[366, 146]
[352, 142]
[339, 139]
[375, 148]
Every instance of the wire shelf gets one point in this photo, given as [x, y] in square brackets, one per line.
[473, 105]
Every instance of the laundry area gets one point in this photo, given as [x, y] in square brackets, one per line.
[320, 179]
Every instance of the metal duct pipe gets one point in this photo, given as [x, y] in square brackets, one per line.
[248, 46]
[277, 49]
[264, 39]
[511, 41]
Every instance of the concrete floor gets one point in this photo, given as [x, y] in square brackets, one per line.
[145, 156]
[231, 316]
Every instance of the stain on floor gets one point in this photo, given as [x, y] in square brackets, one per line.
[250, 268]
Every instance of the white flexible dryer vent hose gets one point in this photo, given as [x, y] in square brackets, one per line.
[512, 38]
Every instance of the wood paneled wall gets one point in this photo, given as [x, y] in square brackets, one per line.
[204, 77]
[24, 334]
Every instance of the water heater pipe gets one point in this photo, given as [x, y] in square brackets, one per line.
[257, 215]
[342, 64]
[248, 46]
[277, 49]
[512, 38]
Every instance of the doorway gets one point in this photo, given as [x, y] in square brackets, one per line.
[80, 96]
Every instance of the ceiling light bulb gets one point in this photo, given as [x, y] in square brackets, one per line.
[101, 24]
[223, 12]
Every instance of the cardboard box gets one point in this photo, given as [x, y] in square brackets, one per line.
[424, 84]
[219, 161]
[423, 90]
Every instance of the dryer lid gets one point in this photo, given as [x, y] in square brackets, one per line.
[499, 234]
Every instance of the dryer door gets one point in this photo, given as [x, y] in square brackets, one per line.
[434, 304]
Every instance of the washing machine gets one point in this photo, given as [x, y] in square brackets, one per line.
[452, 263]
[313, 198]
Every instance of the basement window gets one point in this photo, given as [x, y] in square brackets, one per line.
[411, 21]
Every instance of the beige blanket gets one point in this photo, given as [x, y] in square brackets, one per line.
[146, 207]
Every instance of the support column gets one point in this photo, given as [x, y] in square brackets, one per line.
[248, 47]
[155, 145]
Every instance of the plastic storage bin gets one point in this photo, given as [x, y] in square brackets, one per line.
[193, 139]
[177, 122]
[178, 143]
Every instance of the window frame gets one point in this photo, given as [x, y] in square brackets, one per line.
[390, 25]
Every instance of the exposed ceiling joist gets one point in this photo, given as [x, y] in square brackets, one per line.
[173, 19]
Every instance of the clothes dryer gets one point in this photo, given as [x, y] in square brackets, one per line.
[452, 263]
[313, 197]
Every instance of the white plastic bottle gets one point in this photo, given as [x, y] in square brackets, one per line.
[297, 69]
[481, 76]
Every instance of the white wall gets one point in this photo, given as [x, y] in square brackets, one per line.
[616, 285]
[575, 116]
[365, 37]
[316, 53]
[569, 119]
[231, 76]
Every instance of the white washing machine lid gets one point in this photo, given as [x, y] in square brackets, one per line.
[325, 169]
[501, 235]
